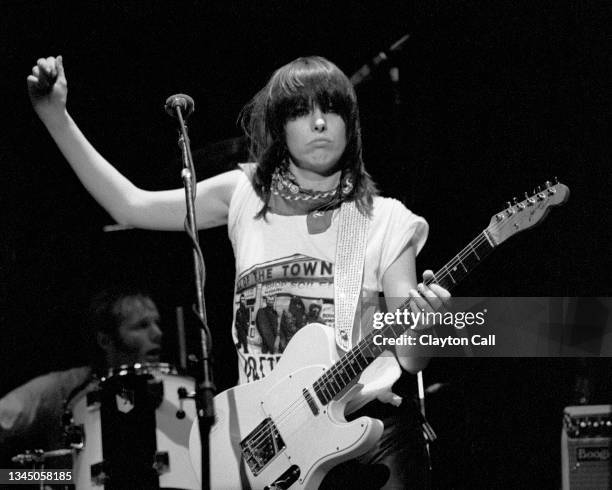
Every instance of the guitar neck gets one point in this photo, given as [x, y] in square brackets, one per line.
[351, 365]
[464, 262]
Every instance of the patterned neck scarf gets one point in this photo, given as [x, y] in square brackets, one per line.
[287, 198]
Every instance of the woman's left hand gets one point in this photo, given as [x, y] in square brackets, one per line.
[429, 298]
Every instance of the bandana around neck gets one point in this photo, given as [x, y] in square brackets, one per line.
[287, 198]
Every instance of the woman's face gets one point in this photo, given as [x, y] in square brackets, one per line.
[316, 141]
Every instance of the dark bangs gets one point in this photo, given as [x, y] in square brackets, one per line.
[298, 90]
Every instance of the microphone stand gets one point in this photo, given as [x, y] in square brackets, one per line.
[366, 70]
[398, 147]
[205, 387]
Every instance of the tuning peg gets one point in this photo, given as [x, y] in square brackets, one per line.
[556, 180]
[509, 211]
[530, 201]
[548, 184]
[519, 205]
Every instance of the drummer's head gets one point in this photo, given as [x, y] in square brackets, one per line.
[126, 326]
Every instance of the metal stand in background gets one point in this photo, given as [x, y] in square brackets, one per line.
[366, 70]
[176, 105]
[428, 433]
[398, 157]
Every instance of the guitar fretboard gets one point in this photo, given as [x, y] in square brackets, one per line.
[352, 364]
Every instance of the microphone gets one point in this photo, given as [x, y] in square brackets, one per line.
[366, 70]
[182, 101]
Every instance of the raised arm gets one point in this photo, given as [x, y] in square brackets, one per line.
[126, 203]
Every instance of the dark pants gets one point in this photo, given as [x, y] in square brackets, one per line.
[242, 339]
[397, 461]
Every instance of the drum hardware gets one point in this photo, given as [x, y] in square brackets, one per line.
[182, 395]
[156, 391]
[106, 438]
[39, 456]
[162, 462]
[93, 398]
[36, 459]
[74, 434]
[99, 474]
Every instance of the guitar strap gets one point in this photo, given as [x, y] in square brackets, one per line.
[349, 265]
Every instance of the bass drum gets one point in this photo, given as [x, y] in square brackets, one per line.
[133, 430]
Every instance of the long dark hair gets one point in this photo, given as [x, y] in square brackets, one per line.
[293, 90]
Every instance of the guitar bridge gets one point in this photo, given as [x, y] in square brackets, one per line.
[261, 446]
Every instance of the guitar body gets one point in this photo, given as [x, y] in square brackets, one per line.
[312, 437]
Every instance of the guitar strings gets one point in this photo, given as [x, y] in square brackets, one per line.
[261, 434]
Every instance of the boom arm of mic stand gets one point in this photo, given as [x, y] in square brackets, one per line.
[366, 70]
[205, 387]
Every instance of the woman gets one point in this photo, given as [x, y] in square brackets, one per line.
[305, 140]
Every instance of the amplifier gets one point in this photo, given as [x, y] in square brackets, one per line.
[586, 446]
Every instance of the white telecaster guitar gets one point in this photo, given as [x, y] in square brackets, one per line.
[288, 429]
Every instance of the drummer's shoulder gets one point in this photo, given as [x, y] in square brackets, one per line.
[76, 375]
[46, 393]
[54, 381]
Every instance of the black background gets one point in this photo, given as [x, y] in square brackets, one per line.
[496, 98]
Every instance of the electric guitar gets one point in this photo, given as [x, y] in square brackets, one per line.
[288, 429]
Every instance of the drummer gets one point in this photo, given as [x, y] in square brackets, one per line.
[125, 328]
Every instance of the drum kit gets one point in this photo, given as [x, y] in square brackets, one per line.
[132, 431]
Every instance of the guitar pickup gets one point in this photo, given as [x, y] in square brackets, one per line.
[310, 400]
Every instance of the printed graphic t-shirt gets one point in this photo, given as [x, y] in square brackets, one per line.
[285, 276]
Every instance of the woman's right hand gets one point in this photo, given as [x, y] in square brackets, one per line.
[48, 88]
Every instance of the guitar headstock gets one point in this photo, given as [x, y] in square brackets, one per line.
[519, 216]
